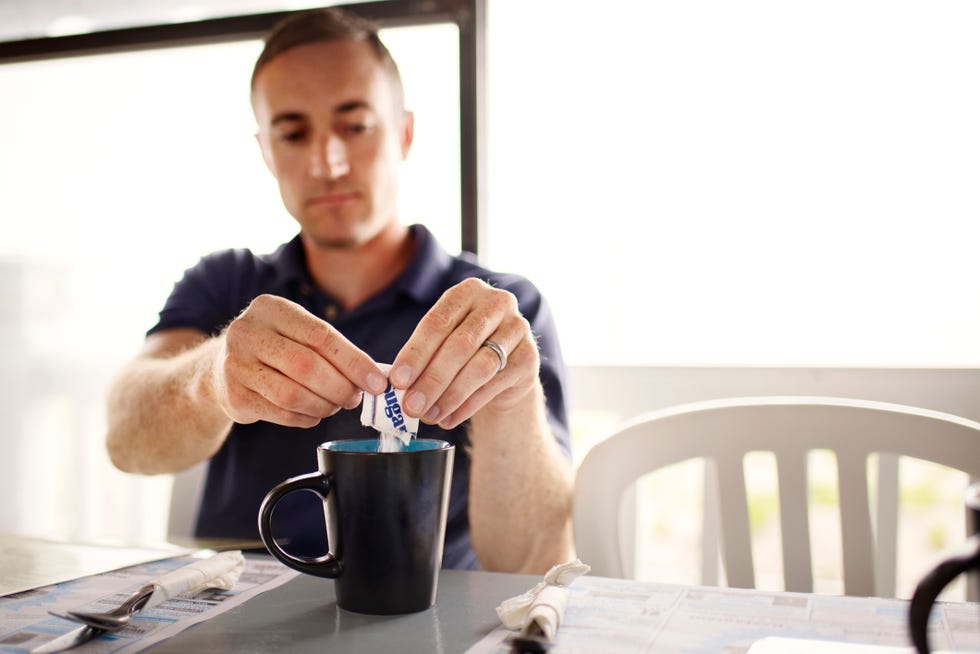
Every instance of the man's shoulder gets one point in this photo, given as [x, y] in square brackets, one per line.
[466, 265]
[219, 286]
[240, 258]
[245, 264]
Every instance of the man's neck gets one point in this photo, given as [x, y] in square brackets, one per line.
[351, 275]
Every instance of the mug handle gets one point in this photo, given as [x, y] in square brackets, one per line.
[932, 584]
[322, 566]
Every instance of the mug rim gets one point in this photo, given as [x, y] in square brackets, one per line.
[438, 446]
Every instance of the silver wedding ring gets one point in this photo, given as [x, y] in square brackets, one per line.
[499, 351]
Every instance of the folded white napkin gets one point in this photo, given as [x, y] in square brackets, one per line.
[219, 571]
[545, 602]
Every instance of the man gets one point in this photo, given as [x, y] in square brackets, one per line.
[257, 359]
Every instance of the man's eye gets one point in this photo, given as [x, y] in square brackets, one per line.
[291, 136]
[357, 128]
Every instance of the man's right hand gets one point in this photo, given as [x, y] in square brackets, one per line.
[280, 363]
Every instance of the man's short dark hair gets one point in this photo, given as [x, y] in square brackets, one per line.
[326, 25]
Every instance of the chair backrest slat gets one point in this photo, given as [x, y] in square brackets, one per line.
[855, 518]
[736, 542]
[791, 468]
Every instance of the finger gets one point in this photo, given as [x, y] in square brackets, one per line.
[514, 380]
[311, 372]
[345, 357]
[285, 373]
[482, 367]
[252, 407]
[473, 403]
[486, 312]
[447, 315]
[285, 394]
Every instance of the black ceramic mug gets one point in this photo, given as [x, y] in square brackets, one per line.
[385, 518]
[966, 560]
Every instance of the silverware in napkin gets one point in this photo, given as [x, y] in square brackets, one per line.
[218, 571]
[73, 638]
[538, 611]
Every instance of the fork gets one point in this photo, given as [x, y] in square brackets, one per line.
[118, 617]
[531, 640]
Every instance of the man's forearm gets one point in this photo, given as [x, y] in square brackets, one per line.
[520, 490]
[162, 415]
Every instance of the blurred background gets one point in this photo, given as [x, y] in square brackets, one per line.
[718, 198]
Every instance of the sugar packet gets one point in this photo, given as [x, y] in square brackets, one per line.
[384, 413]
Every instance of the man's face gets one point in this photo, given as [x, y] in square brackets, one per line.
[333, 138]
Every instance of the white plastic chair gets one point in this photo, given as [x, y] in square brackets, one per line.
[722, 432]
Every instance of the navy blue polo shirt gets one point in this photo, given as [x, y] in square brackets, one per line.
[258, 456]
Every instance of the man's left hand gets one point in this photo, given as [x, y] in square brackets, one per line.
[449, 373]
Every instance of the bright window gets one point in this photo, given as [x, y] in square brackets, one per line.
[117, 173]
[743, 183]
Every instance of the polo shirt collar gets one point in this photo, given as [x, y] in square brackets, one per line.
[289, 260]
[422, 279]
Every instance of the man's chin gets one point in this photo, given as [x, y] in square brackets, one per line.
[328, 243]
[337, 240]
[345, 236]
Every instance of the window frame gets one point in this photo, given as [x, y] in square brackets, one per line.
[469, 16]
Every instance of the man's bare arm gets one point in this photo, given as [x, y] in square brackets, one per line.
[162, 413]
[520, 490]
[174, 405]
[520, 481]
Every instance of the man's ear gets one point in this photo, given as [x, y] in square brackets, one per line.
[408, 133]
[266, 155]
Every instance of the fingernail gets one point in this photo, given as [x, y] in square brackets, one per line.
[432, 415]
[401, 375]
[415, 402]
[376, 383]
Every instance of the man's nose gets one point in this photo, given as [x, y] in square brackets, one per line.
[330, 159]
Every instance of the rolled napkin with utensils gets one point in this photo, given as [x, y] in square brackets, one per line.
[220, 572]
[539, 611]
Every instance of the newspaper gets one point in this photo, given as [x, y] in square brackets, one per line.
[774, 645]
[27, 563]
[25, 622]
[616, 616]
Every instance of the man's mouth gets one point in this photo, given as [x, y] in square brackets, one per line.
[333, 198]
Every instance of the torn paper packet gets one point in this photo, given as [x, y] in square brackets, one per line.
[384, 413]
